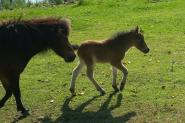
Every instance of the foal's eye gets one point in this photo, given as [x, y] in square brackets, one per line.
[139, 39]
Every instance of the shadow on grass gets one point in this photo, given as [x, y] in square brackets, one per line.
[18, 118]
[78, 115]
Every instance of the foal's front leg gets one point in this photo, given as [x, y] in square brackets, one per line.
[91, 78]
[114, 76]
[75, 73]
[124, 70]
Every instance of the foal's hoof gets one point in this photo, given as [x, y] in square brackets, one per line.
[115, 88]
[102, 92]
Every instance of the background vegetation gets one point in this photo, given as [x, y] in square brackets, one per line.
[155, 87]
[12, 4]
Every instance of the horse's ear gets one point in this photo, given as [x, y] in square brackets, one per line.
[141, 31]
[60, 30]
[135, 30]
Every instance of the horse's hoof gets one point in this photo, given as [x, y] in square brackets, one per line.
[1, 105]
[73, 94]
[25, 112]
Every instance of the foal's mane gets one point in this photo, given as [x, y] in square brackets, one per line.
[118, 37]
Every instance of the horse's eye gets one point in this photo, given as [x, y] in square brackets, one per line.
[139, 39]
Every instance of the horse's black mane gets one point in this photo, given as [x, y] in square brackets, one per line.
[31, 36]
[27, 34]
[33, 22]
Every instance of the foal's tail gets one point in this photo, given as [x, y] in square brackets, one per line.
[75, 46]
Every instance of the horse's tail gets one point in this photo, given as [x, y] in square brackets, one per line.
[75, 46]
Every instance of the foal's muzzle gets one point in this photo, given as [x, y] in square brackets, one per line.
[70, 58]
[146, 50]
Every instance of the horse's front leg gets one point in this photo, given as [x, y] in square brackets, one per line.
[14, 80]
[8, 92]
[124, 70]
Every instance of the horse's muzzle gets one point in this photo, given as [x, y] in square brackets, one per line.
[70, 58]
[146, 50]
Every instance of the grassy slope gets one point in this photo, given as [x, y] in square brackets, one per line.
[143, 100]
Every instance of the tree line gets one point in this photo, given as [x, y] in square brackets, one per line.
[11, 4]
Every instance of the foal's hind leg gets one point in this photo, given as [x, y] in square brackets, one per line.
[8, 93]
[76, 72]
[91, 78]
[114, 76]
[124, 70]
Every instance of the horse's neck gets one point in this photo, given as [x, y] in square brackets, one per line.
[37, 47]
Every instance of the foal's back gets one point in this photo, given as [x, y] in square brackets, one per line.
[98, 51]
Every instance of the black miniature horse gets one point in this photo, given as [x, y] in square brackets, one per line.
[22, 39]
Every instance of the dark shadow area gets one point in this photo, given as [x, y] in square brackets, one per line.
[18, 118]
[79, 115]
[103, 115]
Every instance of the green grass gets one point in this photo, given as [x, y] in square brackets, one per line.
[155, 87]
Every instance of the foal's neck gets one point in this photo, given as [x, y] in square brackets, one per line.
[122, 45]
[122, 41]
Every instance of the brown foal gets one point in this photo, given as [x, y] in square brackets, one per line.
[109, 51]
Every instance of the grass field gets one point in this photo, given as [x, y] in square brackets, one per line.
[155, 88]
